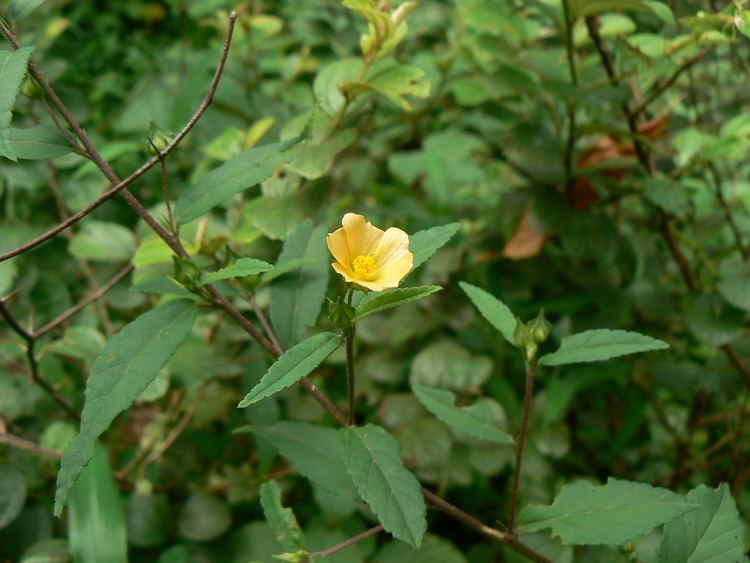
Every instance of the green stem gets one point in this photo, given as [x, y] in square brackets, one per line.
[350, 366]
[528, 394]
[570, 105]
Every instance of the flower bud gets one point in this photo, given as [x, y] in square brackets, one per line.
[540, 328]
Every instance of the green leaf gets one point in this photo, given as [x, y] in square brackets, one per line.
[715, 532]
[493, 310]
[328, 80]
[281, 269]
[599, 345]
[441, 403]
[12, 494]
[293, 365]
[204, 517]
[710, 319]
[394, 83]
[19, 9]
[313, 452]
[447, 365]
[96, 526]
[12, 72]
[149, 519]
[296, 298]
[380, 301]
[125, 367]
[424, 244]
[434, 549]
[103, 242]
[611, 514]
[38, 142]
[241, 268]
[373, 460]
[276, 216]
[736, 290]
[281, 520]
[243, 171]
[583, 8]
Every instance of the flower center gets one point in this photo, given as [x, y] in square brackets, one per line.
[364, 267]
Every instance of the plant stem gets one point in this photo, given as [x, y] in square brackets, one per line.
[570, 105]
[346, 543]
[350, 366]
[528, 394]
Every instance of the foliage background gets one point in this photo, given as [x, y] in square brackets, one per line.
[555, 212]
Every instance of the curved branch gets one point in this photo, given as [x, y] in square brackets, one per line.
[119, 186]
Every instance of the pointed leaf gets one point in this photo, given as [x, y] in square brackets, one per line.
[38, 142]
[296, 298]
[376, 302]
[374, 462]
[19, 9]
[285, 268]
[424, 244]
[12, 72]
[281, 520]
[713, 533]
[441, 403]
[587, 514]
[295, 364]
[241, 268]
[601, 344]
[126, 366]
[492, 309]
[243, 171]
[96, 526]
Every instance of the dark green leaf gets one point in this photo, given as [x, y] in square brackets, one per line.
[38, 142]
[373, 460]
[12, 494]
[380, 301]
[96, 526]
[149, 519]
[19, 9]
[293, 365]
[126, 366]
[601, 344]
[204, 517]
[241, 268]
[243, 171]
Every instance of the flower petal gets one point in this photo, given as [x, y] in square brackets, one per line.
[338, 246]
[396, 270]
[362, 237]
[392, 246]
[347, 275]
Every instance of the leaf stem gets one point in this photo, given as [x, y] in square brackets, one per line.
[346, 543]
[531, 367]
[350, 365]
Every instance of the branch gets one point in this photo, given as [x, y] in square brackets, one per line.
[346, 543]
[31, 447]
[118, 185]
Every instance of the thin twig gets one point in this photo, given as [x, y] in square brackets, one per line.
[570, 106]
[16, 442]
[728, 215]
[521, 442]
[346, 543]
[349, 337]
[77, 307]
[266, 326]
[118, 185]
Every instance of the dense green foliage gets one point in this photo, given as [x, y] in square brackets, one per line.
[567, 360]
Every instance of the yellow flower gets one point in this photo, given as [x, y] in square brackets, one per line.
[369, 257]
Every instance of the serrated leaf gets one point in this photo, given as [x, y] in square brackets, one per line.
[96, 526]
[712, 534]
[12, 72]
[313, 452]
[601, 344]
[427, 242]
[12, 494]
[296, 298]
[126, 366]
[611, 514]
[281, 520]
[38, 142]
[243, 171]
[380, 301]
[293, 365]
[373, 460]
[19, 9]
[493, 310]
[241, 268]
[441, 403]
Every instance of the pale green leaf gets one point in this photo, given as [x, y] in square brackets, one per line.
[280, 519]
[441, 403]
[380, 301]
[293, 365]
[281, 269]
[424, 244]
[239, 269]
[712, 534]
[495, 311]
[243, 171]
[736, 290]
[19, 9]
[394, 83]
[103, 242]
[125, 367]
[12, 494]
[38, 142]
[12, 72]
[296, 297]
[601, 344]
[329, 78]
[611, 514]
[373, 460]
[96, 526]
[204, 517]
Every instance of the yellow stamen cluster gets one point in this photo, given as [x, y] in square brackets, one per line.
[364, 267]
